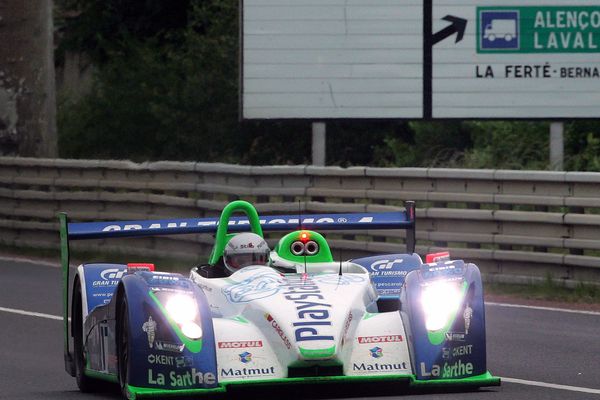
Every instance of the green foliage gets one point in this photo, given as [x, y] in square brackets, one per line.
[582, 146]
[162, 101]
[425, 144]
[101, 28]
[508, 145]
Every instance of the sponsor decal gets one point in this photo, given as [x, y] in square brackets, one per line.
[204, 287]
[346, 327]
[112, 273]
[109, 277]
[186, 379]
[376, 352]
[279, 331]
[181, 362]
[172, 361]
[161, 278]
[226, 372]
[245, 357]
[445, 353]
[150, 328]
[379, 367]
[450, 270]
[164, 279]
[161, 359]
[311, 312]
[467, 315]
[242, 344]
[169, 346]
[459, 333]
[455, 336]
[256, 287]
[387, 268]
[448, 370]
[450, 352]
[379, 339]
[191, 223]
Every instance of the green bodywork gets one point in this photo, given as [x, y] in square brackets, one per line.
[222, 237]
[475, 381]
[283, 248]
[64, 265]
[317, 353]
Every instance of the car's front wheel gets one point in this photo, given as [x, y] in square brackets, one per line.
[123, 345]
[84, 382]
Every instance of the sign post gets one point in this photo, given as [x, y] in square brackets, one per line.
[557, 140]
[319, 139]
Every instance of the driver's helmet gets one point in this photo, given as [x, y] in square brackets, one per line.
[245, 249]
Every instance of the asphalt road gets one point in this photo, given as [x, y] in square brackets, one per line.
[534, 345]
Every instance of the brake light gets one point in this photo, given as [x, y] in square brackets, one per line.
[435, 257]
[304, 236]
[141, 266]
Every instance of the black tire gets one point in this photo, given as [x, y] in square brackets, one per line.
[84, 382]
[123, 345]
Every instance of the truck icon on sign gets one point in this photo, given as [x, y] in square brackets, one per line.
[498, 29]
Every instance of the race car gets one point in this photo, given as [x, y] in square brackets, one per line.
[287, 316]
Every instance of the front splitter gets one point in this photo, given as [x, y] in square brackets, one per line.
[475, 381]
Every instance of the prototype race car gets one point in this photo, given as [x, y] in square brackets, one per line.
[300, 317]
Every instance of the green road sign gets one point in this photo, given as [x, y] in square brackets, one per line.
[533, 29]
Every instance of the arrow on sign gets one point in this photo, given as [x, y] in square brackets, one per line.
[458, 26]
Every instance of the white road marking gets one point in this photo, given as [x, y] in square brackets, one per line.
[31, 313]
[487, 303]
[30, 261]
[504, 379]
[551, 385]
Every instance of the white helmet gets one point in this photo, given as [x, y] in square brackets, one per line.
[245, 249]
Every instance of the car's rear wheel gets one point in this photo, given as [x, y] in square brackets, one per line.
[123, 345]
[84, 382]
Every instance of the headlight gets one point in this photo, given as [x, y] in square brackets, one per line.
[191, 330]
[182, 308]
[440, 300]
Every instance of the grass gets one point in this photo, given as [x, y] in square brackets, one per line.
[548, 290]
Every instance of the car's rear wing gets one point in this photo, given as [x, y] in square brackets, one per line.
[320, 222]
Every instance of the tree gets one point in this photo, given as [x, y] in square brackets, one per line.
[27, 92]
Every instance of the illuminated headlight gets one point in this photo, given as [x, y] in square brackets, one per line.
[440, 301]
[191, 330]
[182, 308]
[184, 311]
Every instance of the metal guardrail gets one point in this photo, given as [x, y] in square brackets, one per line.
[516, 225]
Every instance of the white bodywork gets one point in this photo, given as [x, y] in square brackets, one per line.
[266, 321]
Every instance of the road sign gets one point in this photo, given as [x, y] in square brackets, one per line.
[332, 59]
[519, 59]
[420, 59]
[539, 29]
